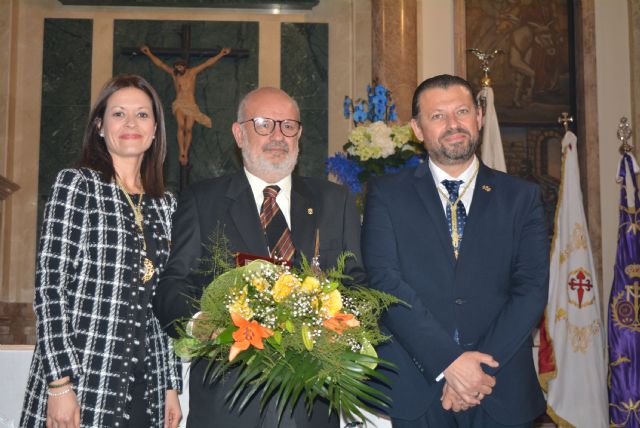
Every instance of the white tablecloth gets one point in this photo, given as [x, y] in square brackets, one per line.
[14, 370]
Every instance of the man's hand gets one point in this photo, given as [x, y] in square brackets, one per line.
[452, 401]
[468, 380]
[145, 49]
[225, 51]
[172, 412]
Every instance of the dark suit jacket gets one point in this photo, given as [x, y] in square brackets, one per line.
[494, 293]
[226, 204]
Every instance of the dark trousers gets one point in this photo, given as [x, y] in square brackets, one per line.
[209, 407]
[138, 416]
[437, 417]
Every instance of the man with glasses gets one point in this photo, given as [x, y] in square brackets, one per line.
[266, 211]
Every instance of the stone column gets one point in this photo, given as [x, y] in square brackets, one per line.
[394, 50]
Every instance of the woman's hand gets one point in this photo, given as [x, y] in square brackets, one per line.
[63, 411]
[172, 412]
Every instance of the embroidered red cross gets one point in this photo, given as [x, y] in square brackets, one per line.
[582, 283]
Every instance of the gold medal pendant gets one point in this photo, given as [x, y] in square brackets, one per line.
[453, 206]
[149, 270]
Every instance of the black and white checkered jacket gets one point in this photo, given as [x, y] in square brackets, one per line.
[87, 300]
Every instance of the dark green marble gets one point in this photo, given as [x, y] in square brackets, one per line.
[66, 92]
[259, 4]
[218, 90]
[304, 75]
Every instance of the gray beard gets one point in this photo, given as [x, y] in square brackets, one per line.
[263, 168]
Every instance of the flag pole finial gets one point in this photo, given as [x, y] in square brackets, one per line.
[564, 120]
[624, 134]
[486, 58]
[485, 63]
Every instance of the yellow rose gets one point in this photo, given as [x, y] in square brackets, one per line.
[332, 302]
[259, 283]
[240, 305]
[284, 286]
[310, 284]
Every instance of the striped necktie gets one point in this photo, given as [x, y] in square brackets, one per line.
[275, 226]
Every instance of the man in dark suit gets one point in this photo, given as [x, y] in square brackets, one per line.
[466, 247]
[267, 133]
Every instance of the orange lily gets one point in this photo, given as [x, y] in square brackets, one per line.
[248, 333]
[340, 322]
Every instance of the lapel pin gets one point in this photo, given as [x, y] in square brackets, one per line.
[486, 188]
[310, 211]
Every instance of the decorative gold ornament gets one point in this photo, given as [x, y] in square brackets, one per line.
[577, 241]
[581, 337]
[455, 237]
[625, 307]
[149, 268]
[632, 270]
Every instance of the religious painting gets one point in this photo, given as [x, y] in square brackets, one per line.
[532, 78]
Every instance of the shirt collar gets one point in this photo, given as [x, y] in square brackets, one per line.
[439, 174]
[257, 185]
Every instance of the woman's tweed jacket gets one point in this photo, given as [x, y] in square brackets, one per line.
[87, 298]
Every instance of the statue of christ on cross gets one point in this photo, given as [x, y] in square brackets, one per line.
[184, 107]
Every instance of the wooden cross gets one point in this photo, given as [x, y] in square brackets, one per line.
[185, 51]
[184, 108]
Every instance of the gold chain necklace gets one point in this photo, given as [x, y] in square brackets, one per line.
[455, 236]
[149, 269]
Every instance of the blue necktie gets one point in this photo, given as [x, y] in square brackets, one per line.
[453, 187]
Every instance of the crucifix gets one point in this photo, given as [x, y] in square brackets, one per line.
[184, 107]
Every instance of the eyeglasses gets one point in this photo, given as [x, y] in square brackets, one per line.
[265, 126]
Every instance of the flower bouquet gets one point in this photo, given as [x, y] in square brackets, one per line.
[375, 146]
[292, 332]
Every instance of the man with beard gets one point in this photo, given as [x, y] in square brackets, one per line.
[184, 107]
[466, 247]
[267, 132]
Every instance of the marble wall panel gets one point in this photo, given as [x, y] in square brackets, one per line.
[66, 90]
[218, 88]
[304, 75]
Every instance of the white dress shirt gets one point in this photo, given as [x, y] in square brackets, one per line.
[284, 196]
[468, 177]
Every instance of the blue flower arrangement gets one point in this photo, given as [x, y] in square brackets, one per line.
[376, 145]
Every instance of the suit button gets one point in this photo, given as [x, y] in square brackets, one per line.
[460, 301]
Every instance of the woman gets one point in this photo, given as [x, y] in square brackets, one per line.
[101, 358]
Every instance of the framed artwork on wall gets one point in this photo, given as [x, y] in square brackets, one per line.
[532, 79]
